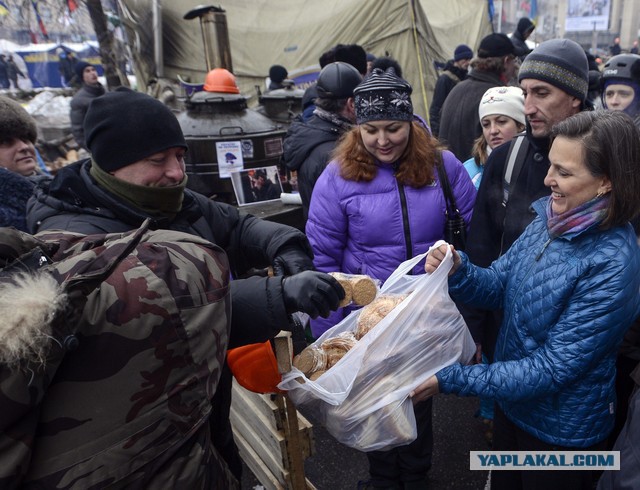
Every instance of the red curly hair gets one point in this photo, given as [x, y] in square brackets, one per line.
[417, 167]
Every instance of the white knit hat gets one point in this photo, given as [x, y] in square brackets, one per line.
[506, 101]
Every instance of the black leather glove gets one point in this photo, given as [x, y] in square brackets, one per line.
[314, 293]
[290, 260]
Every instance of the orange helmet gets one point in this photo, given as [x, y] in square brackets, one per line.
[255, 367]
[221, 80]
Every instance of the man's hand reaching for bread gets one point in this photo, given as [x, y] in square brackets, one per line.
[436, 256]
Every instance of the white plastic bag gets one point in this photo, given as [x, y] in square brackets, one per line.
[364, 399]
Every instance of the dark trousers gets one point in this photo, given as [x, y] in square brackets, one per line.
[624, 387]
[404, 464]
[508, 437]
[221, 431]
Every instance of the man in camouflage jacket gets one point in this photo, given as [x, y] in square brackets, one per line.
[138, 172]
[115, 392]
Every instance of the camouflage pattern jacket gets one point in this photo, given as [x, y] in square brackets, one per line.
[109, 357]
[74, 202]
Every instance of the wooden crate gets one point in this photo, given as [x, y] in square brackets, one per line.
[273, 438]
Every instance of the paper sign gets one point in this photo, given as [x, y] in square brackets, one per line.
[229, 157]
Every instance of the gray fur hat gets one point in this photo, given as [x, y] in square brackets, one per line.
[15, 122]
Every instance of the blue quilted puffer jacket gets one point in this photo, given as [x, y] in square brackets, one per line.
[567, 303]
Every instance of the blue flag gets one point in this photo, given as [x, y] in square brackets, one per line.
[533, 14]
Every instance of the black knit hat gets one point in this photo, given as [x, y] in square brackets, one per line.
[15, 122]
[354, 54]
[462, 52]
[277, 73]
[383, 96]
[560, 62]
[495, 45]
[124, 126]
[79, 68]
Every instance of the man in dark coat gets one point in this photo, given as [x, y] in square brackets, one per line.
[67, 69]
[13, 72]
[521, 34]
[454, 72]
[90, 89]
[138, 172]
[4, 77]
[494, 66]
[555, 80]
[307, 146]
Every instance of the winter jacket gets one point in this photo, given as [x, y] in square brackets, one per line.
[567, 303]
[493, 228]
[474, 170]
[79, 107]
[120, 394]
[450, 77]
[15, 191]
[73, 201]
[459, 122]
[372, 227]
[518, 38]
[307, 148]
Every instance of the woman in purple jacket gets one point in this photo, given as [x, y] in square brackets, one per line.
[376, 205]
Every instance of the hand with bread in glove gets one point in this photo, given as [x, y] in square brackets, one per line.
[292, 259]
[312, 292]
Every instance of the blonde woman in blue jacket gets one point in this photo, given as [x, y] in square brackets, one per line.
[569, 289]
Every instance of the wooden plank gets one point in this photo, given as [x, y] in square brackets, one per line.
[294, 459]
[284, 351]
[261, 403]
[269, 443]
[261, 408]
[273, 438]
[257, 467]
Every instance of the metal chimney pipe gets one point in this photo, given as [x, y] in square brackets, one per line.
[157, 37]
[215, 36]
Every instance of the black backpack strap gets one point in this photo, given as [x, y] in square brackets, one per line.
[515, 160]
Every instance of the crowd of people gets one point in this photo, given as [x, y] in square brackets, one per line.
[132, 287]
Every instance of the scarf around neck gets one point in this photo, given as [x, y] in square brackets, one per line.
[577, 219]
[155, 201]
[336, 119]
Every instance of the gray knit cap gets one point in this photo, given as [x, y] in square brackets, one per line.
[560, 62]
[383, 96]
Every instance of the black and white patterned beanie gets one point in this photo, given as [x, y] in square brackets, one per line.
[383, 96]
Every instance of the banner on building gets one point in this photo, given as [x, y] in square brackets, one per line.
[588, 15]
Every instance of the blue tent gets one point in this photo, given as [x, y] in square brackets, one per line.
[42, 61]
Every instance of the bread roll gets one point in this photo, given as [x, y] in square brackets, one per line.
[371, 314]
[343, 341]
[344, 281]
[310, 360]
[364, 290]
[316, 375]
[359, 289]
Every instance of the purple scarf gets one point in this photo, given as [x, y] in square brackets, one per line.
[577, 219]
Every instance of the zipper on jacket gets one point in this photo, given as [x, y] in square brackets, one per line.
[544, 247]
[405, 222]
